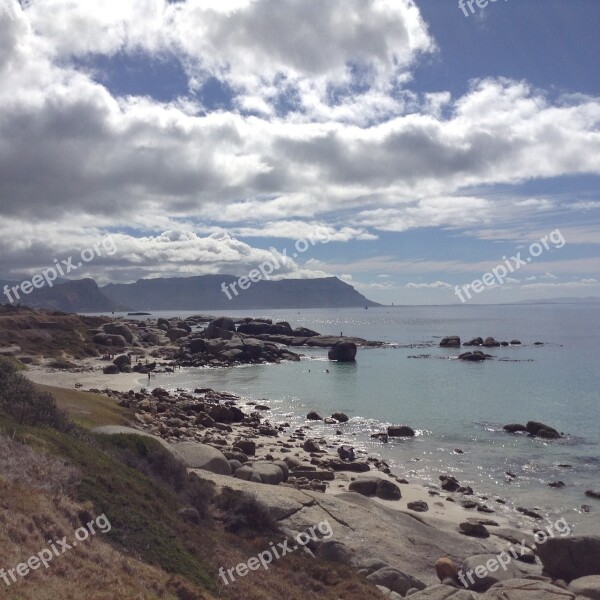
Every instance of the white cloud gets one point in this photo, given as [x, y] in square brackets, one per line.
[353, 149]
[434, 285]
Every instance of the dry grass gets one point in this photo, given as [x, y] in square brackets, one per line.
[31, 514]
[21, 463]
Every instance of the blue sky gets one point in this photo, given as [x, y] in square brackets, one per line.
[428, 145]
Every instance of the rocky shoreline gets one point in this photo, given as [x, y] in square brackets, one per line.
[201, 341]
[405, 538]
[229, 441]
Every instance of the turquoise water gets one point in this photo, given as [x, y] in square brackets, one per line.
[450, 403]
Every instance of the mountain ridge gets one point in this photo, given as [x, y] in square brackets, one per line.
[201, 292]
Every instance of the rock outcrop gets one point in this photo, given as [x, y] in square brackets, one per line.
[343, 352]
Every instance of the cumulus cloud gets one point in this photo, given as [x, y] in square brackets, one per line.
[175, 251]
[322, 130]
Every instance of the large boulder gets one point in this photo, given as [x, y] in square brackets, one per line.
[482, 571]
[122, 360]
[201, 456]
[387, 490]
[452, 341]
[255, 328]
[247, 473]
[588, 587]
[366, 486]
[395, 580]
[269, 472]
[304, 332]
[122, 430]
[527, 589]
[176, 333]
[570, 558]
[196, 345]
[108, 339]
[441, 592]
[223, 327]
[343, 352]
[119, 329]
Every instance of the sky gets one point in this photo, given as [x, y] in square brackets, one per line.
[418, 144]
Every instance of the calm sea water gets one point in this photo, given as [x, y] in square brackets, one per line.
[450, 403]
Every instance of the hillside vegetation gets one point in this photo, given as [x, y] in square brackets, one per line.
[167, 537]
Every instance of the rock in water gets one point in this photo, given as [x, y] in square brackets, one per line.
[541, 430]
[452, 341]
[514, 427]
[343, 352]
[400, 431]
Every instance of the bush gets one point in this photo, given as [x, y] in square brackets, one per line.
[244, 513]
[20, 400]
[150, 458]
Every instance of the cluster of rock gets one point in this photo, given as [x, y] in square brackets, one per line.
[570, 571]
[534, 429]
[453, 341]
[218, 347]
[204, 341]
[200, 428]
[489, 342]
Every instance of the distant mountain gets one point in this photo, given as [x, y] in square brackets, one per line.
[80, 296]
[568, 300]
[206, 293]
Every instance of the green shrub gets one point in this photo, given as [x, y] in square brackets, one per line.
[244, 513]
[20, 400]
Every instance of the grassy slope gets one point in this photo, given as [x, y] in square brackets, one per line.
[88, 409]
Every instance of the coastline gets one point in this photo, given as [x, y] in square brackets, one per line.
[371, 534]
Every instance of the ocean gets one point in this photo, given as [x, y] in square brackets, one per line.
[451, 404]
